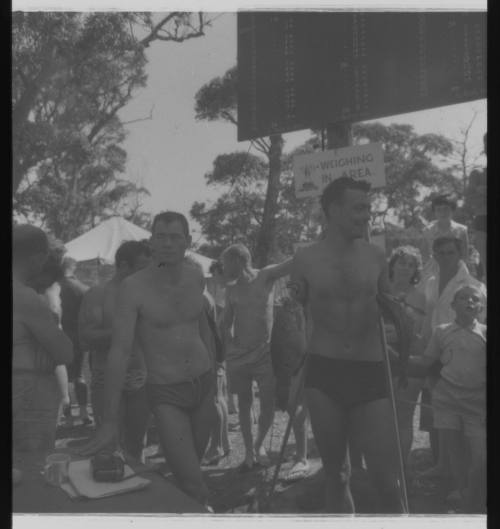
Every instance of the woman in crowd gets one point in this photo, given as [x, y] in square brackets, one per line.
[405, 267]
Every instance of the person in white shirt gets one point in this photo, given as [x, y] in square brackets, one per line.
[443, 208]
[459, 396]
[439, 290]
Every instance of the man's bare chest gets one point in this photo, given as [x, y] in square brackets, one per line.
[169, 304]
[343, 279]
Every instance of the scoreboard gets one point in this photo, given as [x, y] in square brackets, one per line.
[299, 70]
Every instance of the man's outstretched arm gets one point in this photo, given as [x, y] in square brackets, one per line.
[275, 271]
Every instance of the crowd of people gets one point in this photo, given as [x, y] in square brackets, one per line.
[166, 347]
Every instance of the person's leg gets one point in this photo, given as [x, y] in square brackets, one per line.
[475, 493]
[219, 438]
[406, 400]
[135, 421]
[265, 380]
[97, 401]
[241, 383]
[454, 448]
[297, 406]
[372, 430]
[176, 436]
[329, 426]
[75, 377]
[202, 420]
[222, 400]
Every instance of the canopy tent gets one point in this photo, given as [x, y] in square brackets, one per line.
[102, 242]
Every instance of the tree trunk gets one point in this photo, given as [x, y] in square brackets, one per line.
[267, 231]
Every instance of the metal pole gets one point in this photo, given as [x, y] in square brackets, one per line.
[387, 364]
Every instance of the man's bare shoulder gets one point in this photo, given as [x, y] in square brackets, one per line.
[308, 253]
[372, 251]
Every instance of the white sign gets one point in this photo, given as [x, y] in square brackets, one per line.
[312, 172]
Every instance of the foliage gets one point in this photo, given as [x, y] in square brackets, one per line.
[236, 216]
[72, 73]
[415, 165]
[217, 100]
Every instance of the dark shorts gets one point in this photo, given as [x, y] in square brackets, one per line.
[347, 382]
[187, 395]
[480, 223]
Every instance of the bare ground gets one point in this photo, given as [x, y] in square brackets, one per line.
[233, 492]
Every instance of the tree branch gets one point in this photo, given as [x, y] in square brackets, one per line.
[140, 119]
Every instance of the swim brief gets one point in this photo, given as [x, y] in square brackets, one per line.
[347, 382]
[188, 395]
[480, 223]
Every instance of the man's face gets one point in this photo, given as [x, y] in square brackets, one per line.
[467, 303]
[169, 242]
[352, 214]
[140, 262]
[232, 267]
[443, 212]
[447, 256]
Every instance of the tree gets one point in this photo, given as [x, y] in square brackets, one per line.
[217, 100]
[237, 215]
[415, 165]
[72, 73]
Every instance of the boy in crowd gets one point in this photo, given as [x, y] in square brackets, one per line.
[459, 397]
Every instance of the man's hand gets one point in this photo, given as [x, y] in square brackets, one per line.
[104, 438]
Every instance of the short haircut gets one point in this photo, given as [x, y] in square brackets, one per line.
[334, 192]
[129, 251]
[216, 267]
[240, 251]
[471, 287]
[441, 241]
[406, 251]
[28, 240]
[446, 199]
[167, 217]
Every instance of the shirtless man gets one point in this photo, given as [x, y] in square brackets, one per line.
[248, 318]
[38, 346]
[162, 307]
[337, 278]
[95, 326]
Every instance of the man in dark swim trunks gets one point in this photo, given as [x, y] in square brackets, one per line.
[338, 278]
[162, 308]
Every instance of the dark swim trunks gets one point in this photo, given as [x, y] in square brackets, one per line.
[347, 382]
[479, 223]
[187, 395]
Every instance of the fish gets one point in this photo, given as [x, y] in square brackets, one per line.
[288, 346]
[392, 311]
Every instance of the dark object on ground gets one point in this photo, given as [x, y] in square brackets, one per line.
[107, 467]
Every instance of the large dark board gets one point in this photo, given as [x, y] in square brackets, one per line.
[301, 70]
